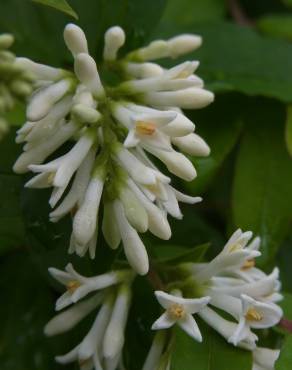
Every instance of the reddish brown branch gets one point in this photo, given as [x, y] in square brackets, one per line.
[238, 14]
[286, 324]
[154, 279]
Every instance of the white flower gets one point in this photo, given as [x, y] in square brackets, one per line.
[133, 245]
[113, 340]
[155, 353]
[255, 314]
[179, 311]
[75, 39]
[79, 286]
[265, 358]
[114, 39]
[226, 328]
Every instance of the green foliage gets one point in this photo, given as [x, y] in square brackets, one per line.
[61, 5]
[276, 25]
[214, 353]
[262, 194]
[288, 130]
[285, 360]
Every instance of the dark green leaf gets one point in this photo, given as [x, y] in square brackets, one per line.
[189, 12]
[262, 194]
[61, 5]
[214, 353]
[288, 130]
[286, 304]
[285, 359]
[174, 254]
[227, 128]
[278, 25]
[236, 58]
[39, 30]
[26, 306]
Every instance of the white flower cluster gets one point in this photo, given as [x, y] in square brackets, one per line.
[115, 127]
[230, 283]
[15, 82]
[102, 346]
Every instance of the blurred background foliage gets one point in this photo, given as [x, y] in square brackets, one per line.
[246, 59]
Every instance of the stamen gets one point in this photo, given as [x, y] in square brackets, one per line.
[253, 315]
[176, 311]
[145, 128]
[248, 264]
[51, 178]
[73, 285]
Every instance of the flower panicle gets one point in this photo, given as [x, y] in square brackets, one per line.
[114, 131]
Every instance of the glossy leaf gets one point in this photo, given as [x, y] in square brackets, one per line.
[285, 359]
[61, 5]
[214, 353]
[278, 25]
[262, 194]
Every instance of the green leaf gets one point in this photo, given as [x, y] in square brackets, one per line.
[27, 306]
[174, 254]
[227, 127]
[214, 353]
[61, 5]
[39, 30]
[285, 359]
[262, 194]
[189, 12]
[286, 304]
[288, 130]
[236, 58]
[278, 25]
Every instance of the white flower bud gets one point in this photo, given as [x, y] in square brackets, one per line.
[110, 228]
[191, 98]
[180, 126]
[85, 220]
[86, 71]
[143, 70]
[44, 100]
[114, 39]
[134, 211]
[40, 71]
[75, 39]
[192, 144]
[85, 114]
[183, 44]
[114, 336]
[68, 319]
[133, 246]
[6, 41]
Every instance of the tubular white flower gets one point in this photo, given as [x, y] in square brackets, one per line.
[40, 71]
[265, 358]
[190, 98]
[143, 70]
[75, 39]
[256, 315]
[86, 71]
[180, 310]
[43, 101]
[192, 144]
[85, 219]
[113, 340]
[110, 228]
[183, 44]
[79, 286]
[134, 248]
[114, 39]
[226, 328]
[155, 352]
[68, 319]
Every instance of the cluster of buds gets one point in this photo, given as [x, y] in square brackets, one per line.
[102, 346]
[15, 82]
[114, 128]
[232, 284]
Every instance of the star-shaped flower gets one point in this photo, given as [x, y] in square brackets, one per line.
[179, 311]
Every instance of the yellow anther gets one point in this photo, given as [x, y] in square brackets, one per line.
[176, 311]
[73, 285]
[51, 178]
[248, 264]
[145, 128]
[183, 74]
[253, 315]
